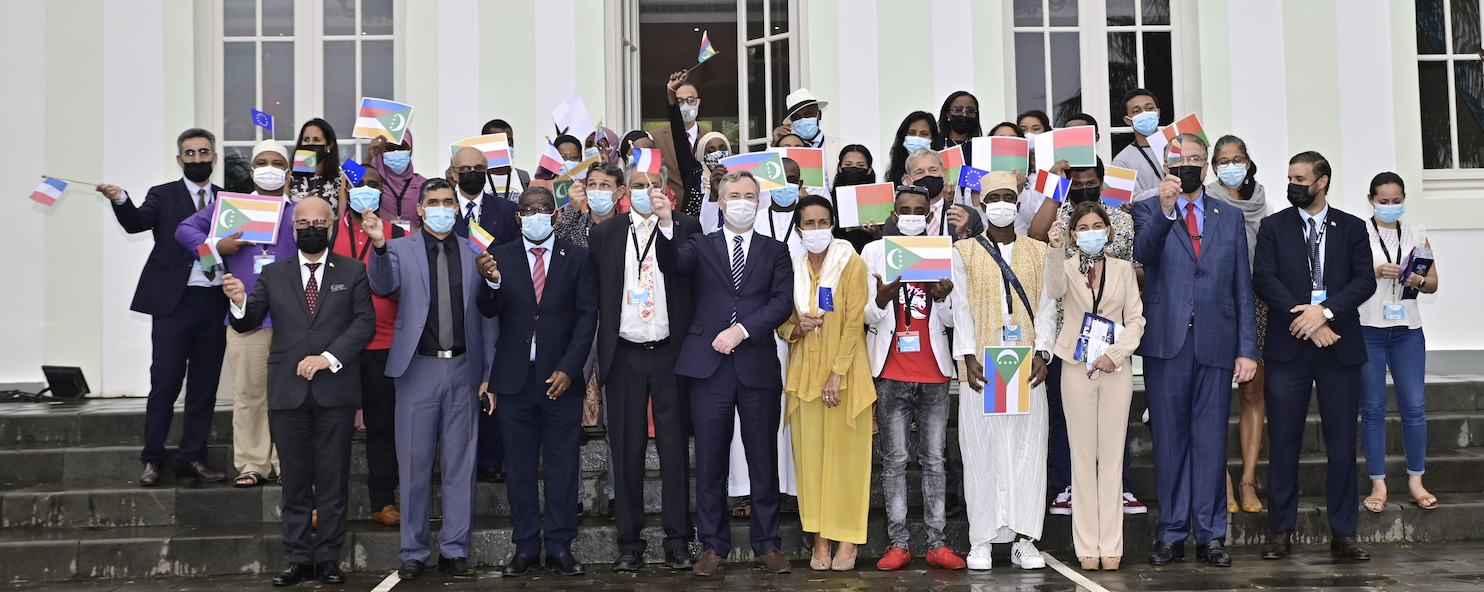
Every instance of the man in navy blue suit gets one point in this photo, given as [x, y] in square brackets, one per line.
[1197, 293]
[1314, 270]
[186, 304]
[545, 294]
[743, 289]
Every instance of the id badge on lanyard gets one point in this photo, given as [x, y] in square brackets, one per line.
[259, 261]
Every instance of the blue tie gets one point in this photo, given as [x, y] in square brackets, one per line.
[1318, 266]
[736, 270]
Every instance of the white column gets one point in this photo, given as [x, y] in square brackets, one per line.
[1258, 90]
[458, 76]
[1366, 122]
[25, 270]
[855, 110]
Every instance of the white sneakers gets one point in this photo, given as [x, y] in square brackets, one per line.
[979, 557]
[1024, 554]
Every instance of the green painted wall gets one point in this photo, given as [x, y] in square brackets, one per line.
[421, 49]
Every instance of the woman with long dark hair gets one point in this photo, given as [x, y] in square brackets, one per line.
[918, 130]
[958, 120]
[317, 135]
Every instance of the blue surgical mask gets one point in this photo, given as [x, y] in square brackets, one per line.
[439, 219]
[590, 153]
[641, 202]
[912, 143]
[807, 127]
[1390, 213]
[364, 198]
[1232, 174]
[536, 227]
[1092, 241]
[1146, 123]
[601, 201]
[786, 196]
[397, 160]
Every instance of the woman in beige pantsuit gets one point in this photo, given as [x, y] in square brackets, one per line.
[1095, 399]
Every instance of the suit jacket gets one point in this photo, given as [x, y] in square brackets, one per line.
[402, 268]
[168, 268]
[664, 139]
[1218, 285]
[343, 323]
[764, 303]
[496, 216]
[1281, 278]
[608, 242]
[563, 322]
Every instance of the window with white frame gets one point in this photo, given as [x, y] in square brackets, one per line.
[1450, 81]
[1074, 56]
[298, 60]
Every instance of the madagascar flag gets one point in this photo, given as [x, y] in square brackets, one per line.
[766, 167]
[1192, 125]
[865, 204]
[810, 161]
[1072, 144]
[1009, 153]
[953, 161]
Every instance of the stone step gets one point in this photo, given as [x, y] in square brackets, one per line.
[1448, 471]
[1446, 430]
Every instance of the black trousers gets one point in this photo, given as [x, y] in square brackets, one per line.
[379, 411]
[490, 453]
[189, 342]
[638, 375]
[314, 459]
[1286, 390]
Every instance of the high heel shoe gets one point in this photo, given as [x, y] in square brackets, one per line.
[843, 564]
[1252, 508]
[1089, 563]
[1111, 563]
[818, 564]
[1231, 499]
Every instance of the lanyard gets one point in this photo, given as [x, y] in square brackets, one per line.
[1140, 150]
[1314, 250]
[1097, 295]
[507, 185]
[773, 229]
[905, 306]
[1383, 243]
[351, 241]
[399, 195]
[1007, 274]
[634, 234]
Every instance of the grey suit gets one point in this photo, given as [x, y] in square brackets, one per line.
[312, 420]
[437, 398]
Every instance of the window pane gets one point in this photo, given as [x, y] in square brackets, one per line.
[376, 17]
[240, 18]
[1432, 83]
[1066, 75]
[1030, 72]
[340, 86]
[1028, 13]
[340, 17]
[1120, 141]
[1120, 12]
[237, 169]
[1465, 29]
[1430, 27]
[778, 18]
[1159, 75]
[278, 18]
[1469, 80]
[240, 90]
[781, 86]
[278, 87]
[757, 123]
[754, 19]
[1123, 74]
[1063, 13]
[377, 75]
[1156, 12]
[668, 43]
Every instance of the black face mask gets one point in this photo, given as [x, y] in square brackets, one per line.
[1299, 195]
[852, 176]
[933, 185]
[472, 182]
[312, 240]
[1077, 196]
[197, 172]
[1190, 177]
[961, 123]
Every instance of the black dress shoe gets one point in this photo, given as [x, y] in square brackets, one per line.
[1166, 553]
[456, 566]
[1348, 548]
[151, 475]
[1278, 545]
[519, 565]
[293, 574]
[564, 564]
[491, 475]
[628, 561]
[199, 471]
[412, 569]
[1213, 552]
[329, 572]
[679, 559]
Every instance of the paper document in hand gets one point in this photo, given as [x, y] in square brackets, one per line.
[1097, 335]
[255, 216]
[865, 204]
[571, 117]
[918, 258]
[1008, 373]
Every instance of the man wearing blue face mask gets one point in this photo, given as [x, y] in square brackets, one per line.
[1141, 110]
[802, 119]
[600, 191]
[777, 222]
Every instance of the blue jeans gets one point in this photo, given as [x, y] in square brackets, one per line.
[897, 405]
[1405, 352]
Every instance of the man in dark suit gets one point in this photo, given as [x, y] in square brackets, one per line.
[1313, 270]
[545, 294]
[688, 101]
[182, 299]
[743, 288]
[469, 172]
[322, 319]
[640, 312]
[1197, 294]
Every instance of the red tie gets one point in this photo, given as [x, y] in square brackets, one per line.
[1193, 228]
[311, 289]
[538, 273]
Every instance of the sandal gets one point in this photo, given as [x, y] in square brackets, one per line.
[1423, 502]
[744, 509]
[249, 479]
[1380, 504]
[1089, 563]
[1111, 563]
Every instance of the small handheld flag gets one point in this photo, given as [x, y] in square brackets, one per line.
[766, 167]
[305, 161]
[706, 50]
[380, 118]
[646, 160]
[1173, 156]
[479, 238]
[1053, 185]
[262, 120]
[969, 177]
[953, 161]
[48, 191]
[551, 159]
[826, 299]
[810, 161]
[1118, 185]
[495, 147]
[1191, 124]
[918, 258]
[207, 257]
[255, 216]
[1008, 390]
[864, 204]
[353, 171]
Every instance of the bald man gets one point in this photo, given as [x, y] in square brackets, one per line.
[468, 172]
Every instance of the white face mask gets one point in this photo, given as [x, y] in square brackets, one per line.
[268, 178]
[1000, 214]
[818, 241]
[912, 225]
[741, 213]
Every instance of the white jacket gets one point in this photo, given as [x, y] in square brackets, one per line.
[881, 323]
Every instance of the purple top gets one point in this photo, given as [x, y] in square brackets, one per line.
[193, 231]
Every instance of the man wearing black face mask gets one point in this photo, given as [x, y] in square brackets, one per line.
[186, 310]
[469, 171]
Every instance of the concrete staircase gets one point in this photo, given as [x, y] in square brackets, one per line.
[69, 506]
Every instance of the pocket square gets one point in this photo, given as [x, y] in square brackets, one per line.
[337, 287]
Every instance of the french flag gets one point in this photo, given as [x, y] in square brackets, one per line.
[551, 159]
[48, 191]
[1053, 185]
[646, 160]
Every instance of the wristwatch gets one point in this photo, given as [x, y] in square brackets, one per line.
[1045, 355]
[1329, 315]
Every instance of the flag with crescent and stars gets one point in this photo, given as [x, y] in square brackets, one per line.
[706, 50]
[255, 216]
[380, 118]
[305, 161]
[1008, 390]
[262, 120]
[918, 258]
[766, 167]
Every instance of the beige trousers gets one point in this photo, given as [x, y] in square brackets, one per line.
[1097, 423]
[252, 445]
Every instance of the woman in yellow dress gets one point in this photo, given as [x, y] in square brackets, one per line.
[830, 388]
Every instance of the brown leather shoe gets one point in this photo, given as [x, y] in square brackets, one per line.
[775, 562]
[151, 475]
[199, 471]
[1278, 545]
[709, 564]
[1348, 548]
[389, 516]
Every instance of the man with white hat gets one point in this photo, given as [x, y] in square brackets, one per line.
[802, 119]
[252, 447]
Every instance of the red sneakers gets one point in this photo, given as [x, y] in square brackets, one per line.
[896, 558]
[945, 558]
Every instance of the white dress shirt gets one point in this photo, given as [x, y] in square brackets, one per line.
[692, 134]
[464, 202]
[531, 269]
[1319, 220]
[730, 238]
[304, 275]
[630, 326]
[198, 277]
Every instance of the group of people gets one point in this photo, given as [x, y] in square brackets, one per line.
[691, 302]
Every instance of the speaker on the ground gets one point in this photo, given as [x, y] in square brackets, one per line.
[64, 382]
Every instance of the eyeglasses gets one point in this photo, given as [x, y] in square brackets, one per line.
[969, 111]
[530, 211]
[301, 224]
[470, 169]
[1194, 160]
[204, 152]
[689, 100]
[1235, 160]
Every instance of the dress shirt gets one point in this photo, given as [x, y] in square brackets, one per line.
[693, 133]
[452, 245]
[304, 274]
[1319, 220]
[531, 268]
[1200, 210]
[464, 202]
[726, 235]
[198, 277]
[630, 326]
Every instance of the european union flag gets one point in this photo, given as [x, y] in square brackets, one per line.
[262, 120]
[354, 171]
[826, 299]
[969, 177]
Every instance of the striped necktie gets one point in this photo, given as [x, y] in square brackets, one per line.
[736, 270]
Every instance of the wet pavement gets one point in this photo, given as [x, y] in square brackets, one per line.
[1438, 567]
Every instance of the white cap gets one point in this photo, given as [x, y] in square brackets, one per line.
[270, 145]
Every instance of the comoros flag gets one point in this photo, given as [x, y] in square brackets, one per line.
[918, 258]
[255, 217]
[1008, 390]
[479, 238]
[766, 167]
[496, 149]
[382, 118]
